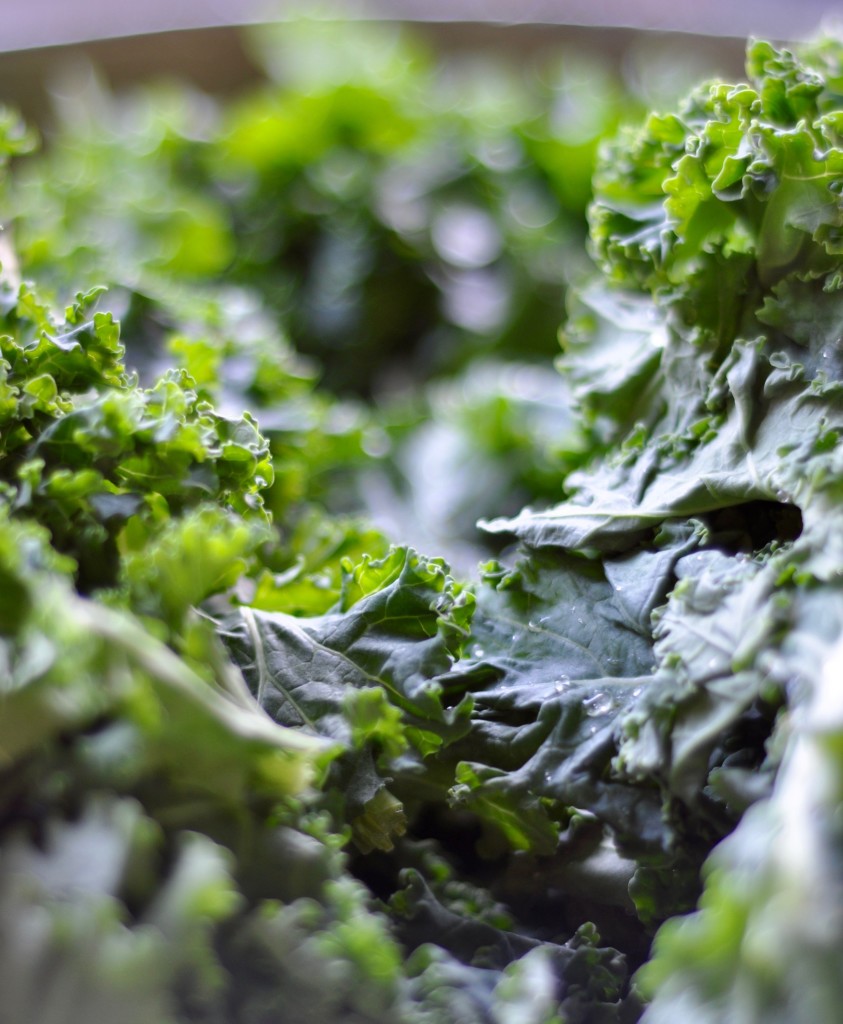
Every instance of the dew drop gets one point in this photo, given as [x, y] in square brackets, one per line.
[598, 704]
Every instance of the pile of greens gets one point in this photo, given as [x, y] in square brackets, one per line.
[258, 765]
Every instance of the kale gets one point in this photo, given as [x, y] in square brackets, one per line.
[257, 763]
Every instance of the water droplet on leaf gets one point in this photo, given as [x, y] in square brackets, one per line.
[598, 704]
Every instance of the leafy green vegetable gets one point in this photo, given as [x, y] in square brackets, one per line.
[259, 765]
[721, 405]
[364, 674]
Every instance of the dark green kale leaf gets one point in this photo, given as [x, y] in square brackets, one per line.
[725, 413]
[364, 674]
[723, 407]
